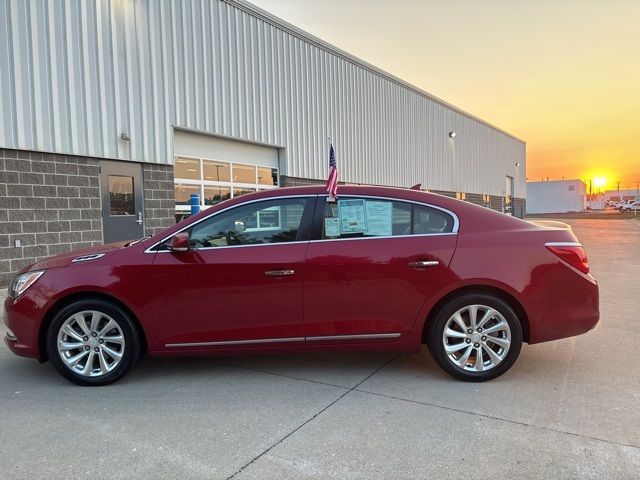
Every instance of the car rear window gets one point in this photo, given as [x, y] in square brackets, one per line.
[373, 217]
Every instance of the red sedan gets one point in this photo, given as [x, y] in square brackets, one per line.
[381, 269]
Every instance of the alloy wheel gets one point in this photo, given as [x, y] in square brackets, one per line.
[476, 338]
[91, 343]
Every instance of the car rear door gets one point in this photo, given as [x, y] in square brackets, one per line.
[371, 266]
[241, 282]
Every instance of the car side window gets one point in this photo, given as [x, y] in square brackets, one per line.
[268, 221]
[372, 217]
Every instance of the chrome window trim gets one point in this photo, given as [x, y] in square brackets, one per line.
[456, 220]
[454, 231]
[384, 237]
[366, 336]
[149, 249]
[221, 247]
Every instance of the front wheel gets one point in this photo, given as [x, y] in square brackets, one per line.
[476, 337]
[92, 342]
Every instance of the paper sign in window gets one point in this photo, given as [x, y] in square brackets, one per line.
[332, 227]
[379, 218]
[352, 216]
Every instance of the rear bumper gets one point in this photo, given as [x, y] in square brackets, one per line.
[21, 317]
[571, 309]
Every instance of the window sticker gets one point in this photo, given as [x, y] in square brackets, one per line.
[352, 216]
[379, 218]
[332, 227]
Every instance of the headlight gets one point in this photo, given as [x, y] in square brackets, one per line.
[21, 282]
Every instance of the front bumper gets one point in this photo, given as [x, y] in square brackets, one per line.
[22, 320]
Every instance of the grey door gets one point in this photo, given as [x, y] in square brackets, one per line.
[122, 202]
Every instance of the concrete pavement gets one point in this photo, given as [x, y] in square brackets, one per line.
[567, 409]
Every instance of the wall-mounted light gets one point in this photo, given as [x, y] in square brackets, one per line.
[517, 164]
[452, 134]
[125, 137]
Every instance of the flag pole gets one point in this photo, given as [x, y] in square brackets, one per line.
[332, 181]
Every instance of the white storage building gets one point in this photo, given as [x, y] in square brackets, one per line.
[556, 196]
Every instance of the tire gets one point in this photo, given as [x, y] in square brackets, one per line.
[461, 359]
[113, 350]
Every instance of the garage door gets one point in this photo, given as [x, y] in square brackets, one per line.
[219, 168]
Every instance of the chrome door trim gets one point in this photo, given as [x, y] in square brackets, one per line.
[149, 249]
[354, 337]
[236, 342]
[366, 336]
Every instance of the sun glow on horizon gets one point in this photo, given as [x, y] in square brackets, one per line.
[599, 182]
[575, 106]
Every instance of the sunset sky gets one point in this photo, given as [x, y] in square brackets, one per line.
[562, 75]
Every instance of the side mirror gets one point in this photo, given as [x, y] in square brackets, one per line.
[240, 227]
[179, 242]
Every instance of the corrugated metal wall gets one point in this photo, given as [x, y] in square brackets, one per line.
[76, 74]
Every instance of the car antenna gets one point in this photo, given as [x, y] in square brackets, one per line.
[417, 186]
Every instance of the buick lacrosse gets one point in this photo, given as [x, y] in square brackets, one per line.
[287, 270]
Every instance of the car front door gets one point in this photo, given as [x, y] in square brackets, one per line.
[373, 266]
[241, 281]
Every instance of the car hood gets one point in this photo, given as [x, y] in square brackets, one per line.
[66, 258]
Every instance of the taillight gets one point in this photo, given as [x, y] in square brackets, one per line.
[572, 253]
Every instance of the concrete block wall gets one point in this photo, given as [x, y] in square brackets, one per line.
[49, 203]
[159, 197]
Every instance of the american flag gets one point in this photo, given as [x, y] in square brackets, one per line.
[332, 182]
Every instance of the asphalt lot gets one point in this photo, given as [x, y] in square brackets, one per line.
[567, 409]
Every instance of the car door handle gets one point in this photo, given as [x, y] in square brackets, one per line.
[279, 273]
[424, 263]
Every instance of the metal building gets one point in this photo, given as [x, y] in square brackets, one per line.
[115, 111]
[556, 196]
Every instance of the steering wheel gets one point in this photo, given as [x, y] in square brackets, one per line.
[232, 238]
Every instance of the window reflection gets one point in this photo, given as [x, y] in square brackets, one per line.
[267, 176]
[213, 195]
[183, 193]
[121, 198]
[242, 191]
[215, 171]
[269, 221]
[187, 168]
[244, 173]
[214, 180]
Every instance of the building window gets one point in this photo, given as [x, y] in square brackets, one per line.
[572, 188]
[187, 168]
[217, 180]
[183, 193]
[121, 199]
[461, 196]
[216, 171]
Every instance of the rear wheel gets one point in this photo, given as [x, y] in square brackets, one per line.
[476, 337]
[92, 342]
